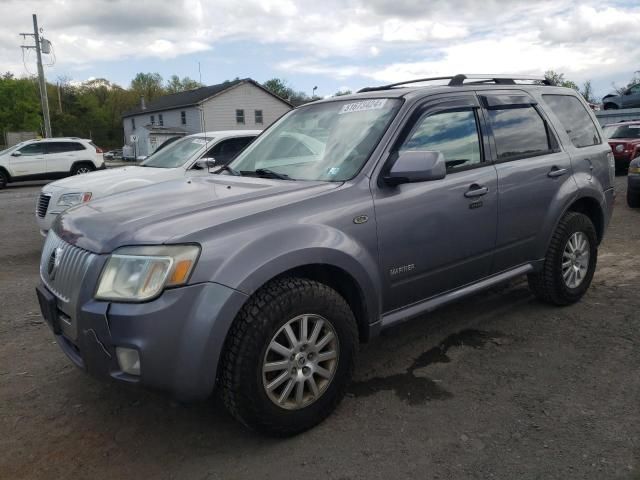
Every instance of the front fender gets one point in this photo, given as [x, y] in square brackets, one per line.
[266, 256]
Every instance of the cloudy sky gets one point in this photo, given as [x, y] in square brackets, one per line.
[331, 44]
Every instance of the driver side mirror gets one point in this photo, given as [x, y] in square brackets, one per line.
[205, 163]
[416, 166]
[16, 154]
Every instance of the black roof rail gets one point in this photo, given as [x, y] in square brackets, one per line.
[457, 80]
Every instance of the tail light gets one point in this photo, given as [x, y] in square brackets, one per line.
[612, 169]
[99, 150]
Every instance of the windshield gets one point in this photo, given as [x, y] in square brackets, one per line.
[11, 149]
[622, 131]
[177, 154]
[326, 141]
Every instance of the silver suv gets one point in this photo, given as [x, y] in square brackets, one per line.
[345, 217]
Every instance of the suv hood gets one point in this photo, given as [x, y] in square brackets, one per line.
[171, 210]
[105, 182]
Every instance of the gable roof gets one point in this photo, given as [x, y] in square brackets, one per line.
[193, 97]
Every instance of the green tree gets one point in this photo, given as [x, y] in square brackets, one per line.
[339, 93]
[148, 85]
[174, 84]
[587, 92]
[558, 80]
[279, 87]
[22, 111]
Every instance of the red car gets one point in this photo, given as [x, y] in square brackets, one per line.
[624, 140]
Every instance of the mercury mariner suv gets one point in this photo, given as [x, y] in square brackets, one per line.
[347, 216]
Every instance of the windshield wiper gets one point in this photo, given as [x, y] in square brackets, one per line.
[265, 172]
[229, 169]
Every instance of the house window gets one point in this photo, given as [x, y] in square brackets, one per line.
[153, 119]
[258, 116]
[133, 124]
[160, 120]
[240, 117]
[183, 117]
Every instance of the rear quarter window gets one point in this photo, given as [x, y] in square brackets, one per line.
[574, 119]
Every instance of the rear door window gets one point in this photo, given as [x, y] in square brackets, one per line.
[574, 119]
[519, 133]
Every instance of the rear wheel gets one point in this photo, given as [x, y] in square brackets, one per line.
[610, 106]
[81, 168]
[570, 262]
[633, 199]
[3, 179]
[289, 357]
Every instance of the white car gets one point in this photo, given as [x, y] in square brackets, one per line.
[49, 158]
[189, 156]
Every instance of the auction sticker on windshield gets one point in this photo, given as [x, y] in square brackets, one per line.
[374, 104]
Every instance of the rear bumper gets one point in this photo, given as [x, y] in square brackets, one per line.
[179, 337]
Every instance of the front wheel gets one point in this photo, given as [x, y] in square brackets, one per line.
[289, 357]
[570, 262]
[3, 180]
[82, 168]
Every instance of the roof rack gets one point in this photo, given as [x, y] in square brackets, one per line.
[457, 80]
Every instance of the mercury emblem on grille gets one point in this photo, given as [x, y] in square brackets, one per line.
[54, 262]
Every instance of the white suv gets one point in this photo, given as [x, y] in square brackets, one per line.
[189, 156]
[49, 158]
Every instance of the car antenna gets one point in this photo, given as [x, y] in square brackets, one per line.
[204, 124]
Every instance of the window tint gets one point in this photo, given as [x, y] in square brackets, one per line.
[183, 117]
[61, 147]
[240, 117]
[160, 120]
[153, 119]
[574, 118]
[519, 133]
[454, 134]
[32, 149]
[226, 150]
[133, 123]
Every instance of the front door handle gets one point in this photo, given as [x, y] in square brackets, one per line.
[556, 172]
[476, 190]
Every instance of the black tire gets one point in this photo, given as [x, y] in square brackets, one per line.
[80, 168]
[548, 284]
[633, 199]
[610, 106]
[4, 179]
[240, 374]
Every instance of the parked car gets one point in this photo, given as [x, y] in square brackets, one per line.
[633, 183]
[113, 154]
[180, 159]
[629, 98]
[624, 140]
[263, 279]
[49, 158]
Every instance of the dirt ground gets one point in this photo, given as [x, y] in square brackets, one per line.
[497, 386]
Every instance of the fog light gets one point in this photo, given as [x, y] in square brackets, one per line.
[129, 360]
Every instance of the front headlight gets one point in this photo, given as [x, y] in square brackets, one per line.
[136, 274]
[620, 148]
[71, 199]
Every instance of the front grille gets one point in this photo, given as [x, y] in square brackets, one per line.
[43, 204]
[63, 267]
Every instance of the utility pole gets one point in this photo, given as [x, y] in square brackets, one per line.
[41, 80]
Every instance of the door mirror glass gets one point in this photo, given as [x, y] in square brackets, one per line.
[16, 154]
[205, 163]
[417, 166]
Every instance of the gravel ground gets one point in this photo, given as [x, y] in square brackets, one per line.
[497, 386]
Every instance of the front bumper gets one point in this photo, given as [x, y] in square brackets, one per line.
[179, 337]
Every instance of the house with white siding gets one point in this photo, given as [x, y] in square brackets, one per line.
[236, 105]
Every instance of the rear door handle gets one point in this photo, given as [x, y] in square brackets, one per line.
[556, 172]
[476, 190]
